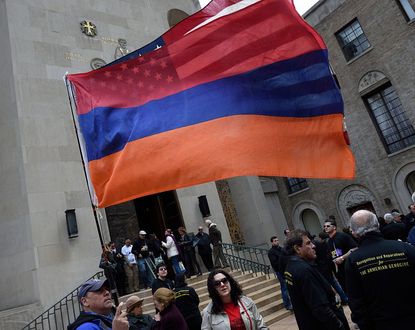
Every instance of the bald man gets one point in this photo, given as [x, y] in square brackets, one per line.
[380, 278]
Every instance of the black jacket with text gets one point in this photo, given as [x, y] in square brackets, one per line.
[380, 279]
[312, 297]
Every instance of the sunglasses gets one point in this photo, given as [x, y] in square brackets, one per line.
[327, 226]
[162, 268]
[217, 284]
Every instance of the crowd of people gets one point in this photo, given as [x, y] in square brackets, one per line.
[367, 266]
[128, 269]
[176, 305]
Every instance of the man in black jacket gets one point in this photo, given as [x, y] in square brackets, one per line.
[95, 299]
[202, 242]
[311, 295]
[161, 281]
[380, 278]
[275, 255]
[215, 237]
[142, 254]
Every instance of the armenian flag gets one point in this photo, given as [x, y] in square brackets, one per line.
[245, 91]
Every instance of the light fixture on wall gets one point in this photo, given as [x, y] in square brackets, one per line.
[71, 224]
[204, 206]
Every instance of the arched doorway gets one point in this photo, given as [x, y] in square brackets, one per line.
[410, 182]
[311, 222]
[308, 215]
[403, 184]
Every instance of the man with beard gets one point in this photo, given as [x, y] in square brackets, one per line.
[312, 297]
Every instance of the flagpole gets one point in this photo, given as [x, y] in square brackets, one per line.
[82, 152]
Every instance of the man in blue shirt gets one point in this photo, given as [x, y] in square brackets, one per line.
[95, 299]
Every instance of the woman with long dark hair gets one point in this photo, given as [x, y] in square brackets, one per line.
[229, 308]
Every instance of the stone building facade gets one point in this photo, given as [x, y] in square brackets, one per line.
[41, 167]
[375, 70]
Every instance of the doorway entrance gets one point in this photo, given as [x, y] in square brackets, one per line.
[157, 212]
[153, 213]
[368, 206]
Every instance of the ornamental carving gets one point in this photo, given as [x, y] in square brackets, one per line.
[370, 79]
[88, 28]
[229, 211]
[353, 196]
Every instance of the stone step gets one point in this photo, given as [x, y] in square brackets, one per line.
[276, 316]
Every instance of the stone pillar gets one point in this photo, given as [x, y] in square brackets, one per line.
[189, 205]
[254, 214]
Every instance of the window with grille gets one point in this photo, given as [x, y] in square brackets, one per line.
[295, 184]
[352, 40]
[394, 128]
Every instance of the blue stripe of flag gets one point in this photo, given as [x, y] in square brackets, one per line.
[299, 87]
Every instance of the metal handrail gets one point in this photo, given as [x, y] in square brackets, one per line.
[247, 258]
[63, 313]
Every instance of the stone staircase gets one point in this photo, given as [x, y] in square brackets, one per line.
[263, 290]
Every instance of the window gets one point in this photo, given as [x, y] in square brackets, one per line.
[393, 126]
[174, 16]
[296, 184]
[408, 7]
[352, 40]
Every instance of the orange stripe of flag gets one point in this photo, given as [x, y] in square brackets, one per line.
[224, 148]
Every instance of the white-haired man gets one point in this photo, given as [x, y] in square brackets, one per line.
[393, 230]
[380, 278]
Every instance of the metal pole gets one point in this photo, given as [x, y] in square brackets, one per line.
[71, 97]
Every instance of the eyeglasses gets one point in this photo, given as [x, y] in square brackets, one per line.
[220, 282]
[327, 226]
[162, 268]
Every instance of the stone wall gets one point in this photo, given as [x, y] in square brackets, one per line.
[392, 51]
[41, 167]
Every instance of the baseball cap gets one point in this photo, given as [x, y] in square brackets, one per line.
[142, 232]
[91, 286]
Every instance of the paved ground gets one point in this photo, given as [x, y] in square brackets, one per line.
[289, 323]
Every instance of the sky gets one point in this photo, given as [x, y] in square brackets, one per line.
[301, 5]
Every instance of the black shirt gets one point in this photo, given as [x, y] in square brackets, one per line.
[394, 231]
[312, 297]
[381, 284]
[187, 301]
[157, 283]
[275, 255]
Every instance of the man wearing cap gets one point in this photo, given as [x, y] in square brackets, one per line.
[95, 299]
[136, 318]
[130, 266]
[215, 237]
[142, 253]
